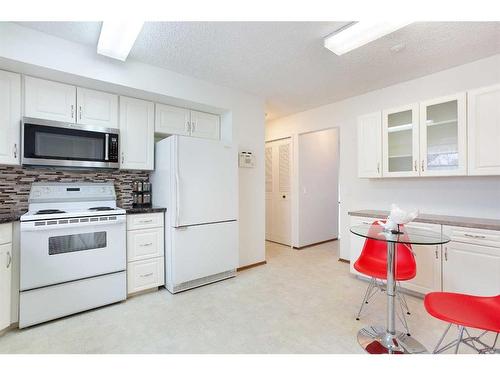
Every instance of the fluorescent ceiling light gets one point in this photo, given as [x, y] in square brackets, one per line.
[359, 34]
[117, 38]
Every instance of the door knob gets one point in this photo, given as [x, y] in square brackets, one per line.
[284, 196]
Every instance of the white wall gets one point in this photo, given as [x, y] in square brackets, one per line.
[318, 187]
[32, 52]
[465, 196]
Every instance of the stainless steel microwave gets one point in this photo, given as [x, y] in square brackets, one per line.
[61, 144]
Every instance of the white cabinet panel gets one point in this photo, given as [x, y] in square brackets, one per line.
[400, 142]
[428, 261]
[136, 134]
[171, 120]
[144, 221]
[10, 117]
[370, 145]
[5, 274]
[49, 100]
[205, 125]
[144, 244]
[97, 108]
[484, 131]
[443, 136]
[145, 274]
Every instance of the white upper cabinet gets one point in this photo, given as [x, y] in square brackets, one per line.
[136, 134]
[49, 100]
[97, 108]
[484, 131]
[10, 117]
[205, 125]
[370, 145]
[172, 120]
[400, 141]
[443, 136]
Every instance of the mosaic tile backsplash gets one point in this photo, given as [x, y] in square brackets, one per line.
[15, 183]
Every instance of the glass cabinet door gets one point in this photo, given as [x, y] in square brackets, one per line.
[442, 136]
[401, 141]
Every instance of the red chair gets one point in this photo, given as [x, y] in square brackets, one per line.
[373, 262]
[465, 311]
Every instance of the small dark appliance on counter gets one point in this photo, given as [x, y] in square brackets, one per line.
[141, 194]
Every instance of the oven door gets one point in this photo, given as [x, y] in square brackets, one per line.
[68, 145]
[57, 251]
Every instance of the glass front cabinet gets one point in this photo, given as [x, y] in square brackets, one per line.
[443, 136]
[426, 139]
[400, 141]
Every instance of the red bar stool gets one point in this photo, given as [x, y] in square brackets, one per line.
[373, 262]
[465, 311]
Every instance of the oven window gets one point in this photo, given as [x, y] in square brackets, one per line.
[76, 242]
[47, 142]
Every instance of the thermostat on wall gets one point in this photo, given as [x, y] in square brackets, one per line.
[247, 160]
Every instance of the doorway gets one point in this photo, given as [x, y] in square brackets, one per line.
[278, 189]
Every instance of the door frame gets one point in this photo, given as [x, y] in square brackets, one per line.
[294, 212]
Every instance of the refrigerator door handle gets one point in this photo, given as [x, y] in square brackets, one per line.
[178, 198]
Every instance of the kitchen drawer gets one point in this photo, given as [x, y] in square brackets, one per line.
[144, 221]
[145, 274]
[5, 233]
[474, 236]
[144, 244]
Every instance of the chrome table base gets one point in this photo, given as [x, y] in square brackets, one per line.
[376, 340]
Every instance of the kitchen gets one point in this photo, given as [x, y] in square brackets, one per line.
[163, 177]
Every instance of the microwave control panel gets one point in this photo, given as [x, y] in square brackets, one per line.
[113, 148]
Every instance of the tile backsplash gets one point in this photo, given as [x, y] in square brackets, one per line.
[15, 183]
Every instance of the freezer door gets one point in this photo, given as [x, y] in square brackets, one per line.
[206, 181]
[203, 250]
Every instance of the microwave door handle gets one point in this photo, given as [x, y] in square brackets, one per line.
[106, 147]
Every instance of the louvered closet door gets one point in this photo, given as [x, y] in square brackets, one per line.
[278, 188]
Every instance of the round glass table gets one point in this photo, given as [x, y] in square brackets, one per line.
[374, 339]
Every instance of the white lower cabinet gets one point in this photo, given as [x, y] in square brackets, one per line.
[5, 274]
[471, 261]
[428, 260]
[145, 252]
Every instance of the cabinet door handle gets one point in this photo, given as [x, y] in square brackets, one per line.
[9, 261]
[415, 165]
[80, 112]
[72, 110]
[188, 127]
[147, 274]
[378, 167]
[436, 252]
[422, 165]
[146, 221]
[15, 150]
[446, 253]
[146, 244]
[193, 126]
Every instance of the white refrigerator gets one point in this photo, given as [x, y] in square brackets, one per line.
[197, 181]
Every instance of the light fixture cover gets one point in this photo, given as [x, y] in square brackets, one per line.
[117, 38]
[359, 34]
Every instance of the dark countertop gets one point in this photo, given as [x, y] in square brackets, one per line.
[9, 217]
[457, 221]
[144, 210]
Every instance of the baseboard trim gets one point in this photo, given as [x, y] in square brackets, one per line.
[251, 266]
[344, 261]
[11, 327]
[315, 244]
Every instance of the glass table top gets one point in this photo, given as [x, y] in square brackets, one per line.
[412, 236]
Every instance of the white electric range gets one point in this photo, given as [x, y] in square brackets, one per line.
[73, 251]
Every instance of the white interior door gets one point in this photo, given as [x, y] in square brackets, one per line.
[278, 191]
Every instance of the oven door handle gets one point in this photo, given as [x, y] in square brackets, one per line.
[106, 147]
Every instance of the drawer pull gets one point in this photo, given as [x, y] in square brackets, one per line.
[146, 221]
[146, 244]
[476, 236]
[147, 274]
[436, 252]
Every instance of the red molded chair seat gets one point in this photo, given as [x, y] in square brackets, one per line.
[373, 260]
[465, 310]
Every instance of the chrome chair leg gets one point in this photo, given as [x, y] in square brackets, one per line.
[474, 342]
[367, 296]
[460, 336]
[435, 351]
[402, 316]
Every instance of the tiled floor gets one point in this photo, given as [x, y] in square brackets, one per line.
[300, 302]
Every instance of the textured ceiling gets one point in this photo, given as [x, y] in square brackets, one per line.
[286, 63]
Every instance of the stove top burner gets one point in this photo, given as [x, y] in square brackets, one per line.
[101, 209]
[53, 211]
